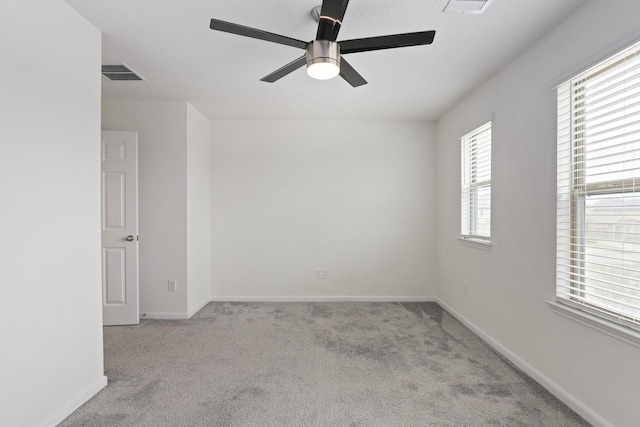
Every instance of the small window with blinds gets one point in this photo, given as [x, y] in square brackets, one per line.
[598, 218]
[475, 192]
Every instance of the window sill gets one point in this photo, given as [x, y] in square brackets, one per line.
[476, 243]
[620, 332]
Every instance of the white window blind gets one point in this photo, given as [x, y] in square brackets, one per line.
[598, 218]
[476, 184]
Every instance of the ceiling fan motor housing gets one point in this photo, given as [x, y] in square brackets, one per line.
[323, 54]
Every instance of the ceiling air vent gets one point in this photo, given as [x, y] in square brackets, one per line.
[119, 72]
[467, 6]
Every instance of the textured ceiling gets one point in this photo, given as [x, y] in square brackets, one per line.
[169, 43]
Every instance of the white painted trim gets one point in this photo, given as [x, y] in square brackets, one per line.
[487, 245]
[571, 401]
[474, 124]
[198, 307]
[285, 298]
[80, 399]
[323, 298]
[164, 316]
[623, 333]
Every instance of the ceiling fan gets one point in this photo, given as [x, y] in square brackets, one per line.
[323, 55]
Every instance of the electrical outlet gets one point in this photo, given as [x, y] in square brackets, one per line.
[322, 273]
[172, 285]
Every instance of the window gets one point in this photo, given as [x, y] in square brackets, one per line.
[598, 222]
[475, 200]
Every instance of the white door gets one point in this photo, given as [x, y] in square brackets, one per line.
[120, 228]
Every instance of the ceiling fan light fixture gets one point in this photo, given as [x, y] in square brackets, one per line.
[323, 70]
[323, 59]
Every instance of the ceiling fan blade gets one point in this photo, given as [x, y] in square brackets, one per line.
[280, 73]
[331, 15]
[334, 8]
[387, 42]
[241, 30]
[348, 73]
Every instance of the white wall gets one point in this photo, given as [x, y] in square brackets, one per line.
[597, 374]
[174, 209]
[50, 311]
[162, 199]
[353, 197]
[198, 210]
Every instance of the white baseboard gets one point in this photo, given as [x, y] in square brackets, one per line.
[198, 307]
[322, 298]
[164, 316]
[314, 298]
[568, 399]
[68, 408]
[159, 315]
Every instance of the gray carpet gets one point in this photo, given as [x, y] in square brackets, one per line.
[313, 364]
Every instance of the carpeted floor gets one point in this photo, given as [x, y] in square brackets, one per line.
[313, 364]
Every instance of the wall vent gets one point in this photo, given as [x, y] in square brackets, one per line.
[466, 6]
[119, 72]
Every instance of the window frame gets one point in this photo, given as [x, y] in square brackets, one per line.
[598, 316]
[470, 168]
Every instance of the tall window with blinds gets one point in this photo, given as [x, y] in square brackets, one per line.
[598, 218]
[476, 184]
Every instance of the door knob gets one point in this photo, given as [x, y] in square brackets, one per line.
[129, 238]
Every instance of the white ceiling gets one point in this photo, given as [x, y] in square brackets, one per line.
[169, 43]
